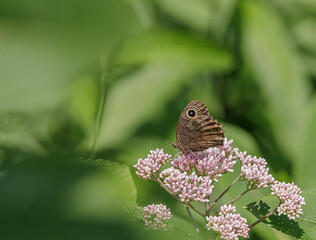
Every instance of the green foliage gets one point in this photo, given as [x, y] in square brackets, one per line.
[302, 227]
[252, 62]
[306, 168]
[277, 68]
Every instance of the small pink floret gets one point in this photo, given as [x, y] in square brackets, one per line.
[228, 224]
[156, 216]
[290, 197]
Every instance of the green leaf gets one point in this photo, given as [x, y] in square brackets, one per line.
[184, 227]
[305, 32]
[305, 171]
[306, 5]
[143, 11]
[103, 193]
[242, 139]
[196, 14]
[264, 231]
[281, 223]
[39, 60]
[275, 64]
[49, 188]
[177, 48]
[178, 228]
[136, 99]
[302, 228]
[169, 59]
[308, 220]
[19, 131]
[83, 101]
[310, 63]
[202, 16]
[65, 126]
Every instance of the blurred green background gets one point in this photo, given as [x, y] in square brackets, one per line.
[88, 87]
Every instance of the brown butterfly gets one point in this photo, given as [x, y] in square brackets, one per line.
[197, 130]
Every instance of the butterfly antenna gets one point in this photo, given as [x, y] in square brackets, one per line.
[168, 146]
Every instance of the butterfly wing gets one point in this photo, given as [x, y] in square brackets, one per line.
[208, 133]
[199, 132]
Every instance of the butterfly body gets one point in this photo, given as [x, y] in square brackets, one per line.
[197, 130]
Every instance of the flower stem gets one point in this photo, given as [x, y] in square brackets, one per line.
[176, 197]
[220, 196]
[263, 218]
[194, 223]
[165, 187]
[239, 196]
[196, 210]
[234, 200]
[104, 85]
[209, 232]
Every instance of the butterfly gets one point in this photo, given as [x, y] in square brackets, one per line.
[197, 130]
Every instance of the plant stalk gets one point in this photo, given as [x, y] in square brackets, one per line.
[102, 97]
[263, 218]
[194, 223]
[176, 197]
[223, 193]
[234, 200]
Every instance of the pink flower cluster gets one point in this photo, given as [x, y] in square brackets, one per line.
[155, 216]
[255, 171]
[189, 187]
[213, 162]
[190, 179]
[229, 224]
[290, 197]
[149, 167]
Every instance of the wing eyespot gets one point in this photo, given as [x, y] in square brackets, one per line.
[191, 113]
